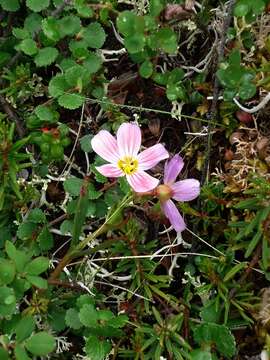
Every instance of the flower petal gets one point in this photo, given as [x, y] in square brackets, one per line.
[105, 145]
[172, 169]
[110, 170]
[172, 213]
[129, 139]
[185, 190]
[152, 156]
[142, 182]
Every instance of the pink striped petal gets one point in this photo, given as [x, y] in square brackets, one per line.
[110, 170]
[172, 213]
[142, 182]
[105, 145]
[172, 169]
[129, 139]
[185, 190]
[152, 156]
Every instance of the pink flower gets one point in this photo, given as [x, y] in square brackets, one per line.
[184, 190]
[124, 160]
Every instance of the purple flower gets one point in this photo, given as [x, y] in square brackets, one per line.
[184, 190]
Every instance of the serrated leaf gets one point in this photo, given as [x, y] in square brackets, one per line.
[72, 319]
[26, 230]
[92, 63]
[51, 28]
[32, 23]
[45, 239]
[94, 35]
[46, 56]
[93, 194]
[29, 47]
[58, 86]
[41, 344]
[88, 315]
[69, 25]
[36, 216]
[97, 349]
[71, 101]
[73, 186]
[20, 33]
[37, 5]
[10, 5]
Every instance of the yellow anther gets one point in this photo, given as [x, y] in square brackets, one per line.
[128, 165]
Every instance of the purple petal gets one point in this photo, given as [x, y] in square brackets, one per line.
[152, 156]
[172, 169]
[172, 213]
[129, 139]
[142, 182]
[110, 170]
[105, 145]
[185, 190]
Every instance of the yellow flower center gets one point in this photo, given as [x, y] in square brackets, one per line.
[128, 165]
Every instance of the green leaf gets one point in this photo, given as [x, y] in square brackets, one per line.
[37, 281]
[41, 344]
[209, 333]
[175, 76]
[26, 230]
[199, 354]
[146, 69]
[24, 328]
[167, 40]
[94, 35]
[32, 23]
[241, 9]
[7, 301]
[10, 5]
[58, 86]
[71, 101]
[156, 6]
[46, 56]
[20, 353]
[85, 143]
[129, 23]
[28, 46]
[45, 239]
[92, 63]
[97, 349]
[37, 5]
[37, 266]
[36, 216]
[73, 186]
[93, 194]
[88, 315]
[77, 76]
[51, 28]
[253, 243]
[83, 9]
[46, 113]
[19, 257]
[247, 90]
[233, 271]
[20, 33]
[4, 354]
[69, 25]
[72, 319]
[135, 43]
[7, 271]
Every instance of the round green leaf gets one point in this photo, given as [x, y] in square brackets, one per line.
[167, 40]
[24, 328]
[69, 25]
[58, 86]
[72, 319]
[7, 271]
[37, 281]
[51, 29]
[135, 43]
[247, 91]
[37, 5]
[32, 23]
[94, 35]
[97, 349]
[7, 301]
[41, 344]
[71, 101]
[156, 6]
[92, 63]
[46, 56]
[10, 5]
[241, 9]
[146, 69]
